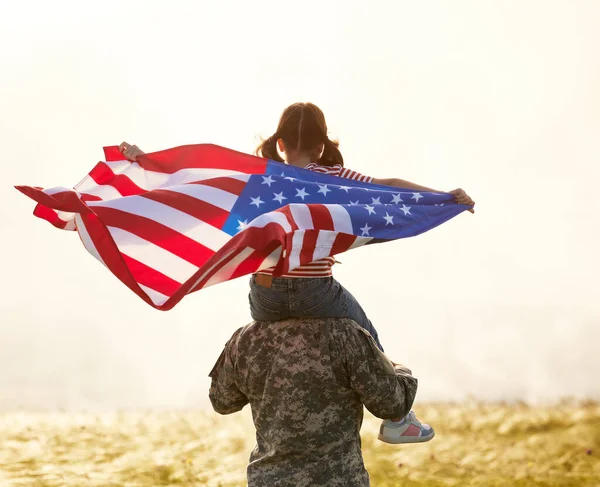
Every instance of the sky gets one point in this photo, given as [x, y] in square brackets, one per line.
[498, 98]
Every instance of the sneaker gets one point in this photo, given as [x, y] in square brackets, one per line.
[409, 430]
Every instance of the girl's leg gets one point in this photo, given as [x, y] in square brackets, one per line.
[329, 299]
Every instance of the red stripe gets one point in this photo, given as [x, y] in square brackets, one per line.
[201, 156]
[252, 263]
[308, 247]
[89, 197]
[321, 217]
[231, 185]
[112, 153]
[251, 237]
[343, 242]
[158, 234]
[111, 256]
[103, 174]
[65, 201]
[150, 277]
[192, 206]
[49, 215]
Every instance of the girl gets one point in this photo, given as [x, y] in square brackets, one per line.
[310, 290]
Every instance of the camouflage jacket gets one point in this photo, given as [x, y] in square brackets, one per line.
[306, 381]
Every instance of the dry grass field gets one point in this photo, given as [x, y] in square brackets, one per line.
[475, 445]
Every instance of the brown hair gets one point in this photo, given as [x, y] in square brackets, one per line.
[302, 126]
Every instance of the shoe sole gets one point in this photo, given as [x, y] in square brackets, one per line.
[406, 439]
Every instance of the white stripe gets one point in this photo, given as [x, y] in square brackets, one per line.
[149, 180]
[156, 297]
[225, 272]
[325, 241]
[103, 191]
[181, 222]
[65, 216]
[215, 196]
[58, 189]
[86, 239]
[209, 270]
[297, 243]
[302, 217]
[360, 241]
[341, 219]
[271, 260]
[153, 256]
[271, 217]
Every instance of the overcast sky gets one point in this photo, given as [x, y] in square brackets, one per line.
[499, 98]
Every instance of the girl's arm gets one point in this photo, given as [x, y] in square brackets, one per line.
[401, 183]
[460, 195]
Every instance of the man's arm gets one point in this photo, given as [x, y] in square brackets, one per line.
[387, 391]
[224, 394]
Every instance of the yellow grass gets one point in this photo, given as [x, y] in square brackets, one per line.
[479, 445]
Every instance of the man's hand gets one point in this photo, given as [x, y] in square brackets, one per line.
[462, 198]
[131, 152]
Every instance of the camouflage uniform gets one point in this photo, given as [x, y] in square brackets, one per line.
[306, 381]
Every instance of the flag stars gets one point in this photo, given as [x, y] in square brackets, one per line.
[279, 197]
[256, 201]
[365, 230]
[370, 209]
[396, 199]
[375, 201]
[268, 180]
[288, 177]
[354, 203]
[416, 197]
[242, 225]
[345, 188]
[406, 210]
[323, 189]
[301, 193]
[389, 219]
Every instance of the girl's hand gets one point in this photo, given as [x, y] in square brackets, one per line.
[462, 198]
[131, 152]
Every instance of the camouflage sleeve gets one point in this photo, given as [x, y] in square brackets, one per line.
[386, 391]
[224, 394]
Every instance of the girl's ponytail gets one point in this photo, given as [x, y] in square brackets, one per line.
[331, 154]
[268, 148]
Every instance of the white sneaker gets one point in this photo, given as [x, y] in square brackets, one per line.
[409, 430]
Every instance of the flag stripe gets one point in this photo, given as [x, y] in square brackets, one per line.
[161, 235]
[150, 254]
[150, 277]
[321, 216]
[209, 194]
[341, 218]
[193, 207]
[86, 239]
[302, 216]
[202, 156]
[181, 222]
[103, 175]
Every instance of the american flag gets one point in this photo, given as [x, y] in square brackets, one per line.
[186, 218]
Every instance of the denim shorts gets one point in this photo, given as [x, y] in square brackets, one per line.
[321, 297]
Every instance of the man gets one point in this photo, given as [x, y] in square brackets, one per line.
[306, 381]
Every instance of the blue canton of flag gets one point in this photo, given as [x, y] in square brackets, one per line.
[375, 211]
